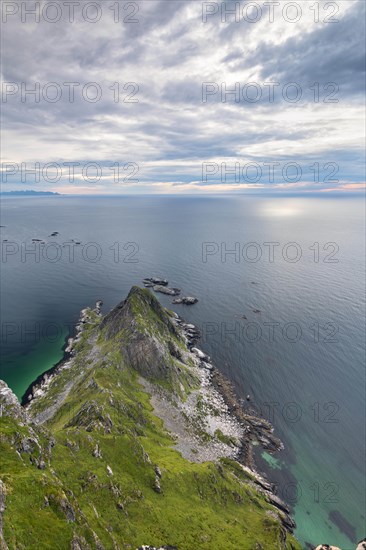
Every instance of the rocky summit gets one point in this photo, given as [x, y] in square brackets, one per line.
[128, 444]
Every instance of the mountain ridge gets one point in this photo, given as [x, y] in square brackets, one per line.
[127, 442]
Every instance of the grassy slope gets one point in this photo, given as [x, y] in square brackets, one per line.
[201, 506]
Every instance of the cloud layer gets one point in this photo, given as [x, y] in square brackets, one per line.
[192, 98]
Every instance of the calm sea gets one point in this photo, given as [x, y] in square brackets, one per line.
[280, 283]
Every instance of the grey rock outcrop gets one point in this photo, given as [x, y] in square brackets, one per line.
[186, 300]
[3, 545]
[157, 486]
[9, 404]
[141, 346]
[167, 290]
[151, 281]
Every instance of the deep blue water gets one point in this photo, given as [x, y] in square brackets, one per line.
[301, 357]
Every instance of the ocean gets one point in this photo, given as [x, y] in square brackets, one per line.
[280, 283]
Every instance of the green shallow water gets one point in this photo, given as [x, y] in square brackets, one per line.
[324, 495]
[22, 370]
[313, 502]
[271, 460]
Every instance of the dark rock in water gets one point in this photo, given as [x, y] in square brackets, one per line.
[265, 484]
[289, 523]
[98, 306]
[166, 290]
[186, 300]
[201, 355]
[343, 525]
[205, 365]
[155, 281]
[256, 310]
[278, 502]
[192, 333]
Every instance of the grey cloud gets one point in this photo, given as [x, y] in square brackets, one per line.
[164, 53]
[331, 53]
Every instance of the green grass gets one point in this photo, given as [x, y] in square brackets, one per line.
[201, 506]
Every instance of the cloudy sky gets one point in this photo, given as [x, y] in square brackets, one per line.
[134, 96]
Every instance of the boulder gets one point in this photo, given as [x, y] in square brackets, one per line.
[157, 487]
[201, 355]
[97, 452]
[150, 281]
[186, 300]
[167, 290]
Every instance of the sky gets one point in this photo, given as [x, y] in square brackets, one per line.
[171, 96]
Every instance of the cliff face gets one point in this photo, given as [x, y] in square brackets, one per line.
[127, 444]
[148, 339]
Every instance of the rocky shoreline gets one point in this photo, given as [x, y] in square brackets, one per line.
[208, 424]
[42, 382]
[254, 429]
[219, 393]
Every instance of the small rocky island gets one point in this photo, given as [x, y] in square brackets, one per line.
[135, 440]
[186, 300]
[158, 284]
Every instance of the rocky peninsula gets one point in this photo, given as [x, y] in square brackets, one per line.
[135, 440]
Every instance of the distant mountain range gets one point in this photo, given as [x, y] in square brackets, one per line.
[28, 193]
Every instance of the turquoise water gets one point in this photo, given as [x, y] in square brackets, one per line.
[22, 370]
[299, 352]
